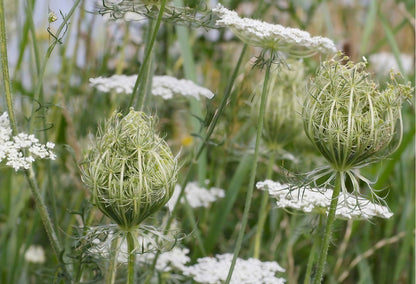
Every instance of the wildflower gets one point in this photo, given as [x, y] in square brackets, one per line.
[163, 86]
[196, 196]
[384, 62]
[130, 170]
[35, 254]
[215, 269]
[318, 200]
[274, 37]
[21, 151]
[349, 120]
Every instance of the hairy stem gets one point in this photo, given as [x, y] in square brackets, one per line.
[328, 230]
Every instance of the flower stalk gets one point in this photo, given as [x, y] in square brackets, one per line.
[250, 188]
[132, 257]
[328, 230]
[143, 78]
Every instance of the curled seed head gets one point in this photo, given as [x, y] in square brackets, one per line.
[348, 118]
[130, 170]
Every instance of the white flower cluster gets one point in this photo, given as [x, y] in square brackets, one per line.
[175, 259]
[276, 37]
[21, 150]
[163, 86]
[213, 270]
[383, 62]
[196, 196]
[310, 199]
[35, 254]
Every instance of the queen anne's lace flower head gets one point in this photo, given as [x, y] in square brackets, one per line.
[275, 37]
[316, 200]
[215, 270]
[196, 196]
[163, 86]
[21, 151]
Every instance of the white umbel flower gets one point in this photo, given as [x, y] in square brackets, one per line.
[314, 200]
[35, 254]
[196, 196]
[163, 86]
[276, 37]
[21, 151]
[213, 270]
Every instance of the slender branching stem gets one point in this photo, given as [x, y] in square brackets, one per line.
[187, 176]
[140, 86]
[5, 69]
[44, 215]
[264, 209]
[328, 230]
[250, 188]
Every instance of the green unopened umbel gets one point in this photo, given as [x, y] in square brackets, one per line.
[130, 170]
[348, 118]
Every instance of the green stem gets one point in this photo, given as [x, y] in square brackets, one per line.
[328, 229]
[140, 87]
[112, 267]
[312, 253]
[47, 223]
[253, 171]
[132, 258]
[5, 69]
[224, 101]
[263, 210]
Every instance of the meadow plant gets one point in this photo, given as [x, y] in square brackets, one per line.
[197, 219]
[274, 40]
[352, 122]
[131, 173]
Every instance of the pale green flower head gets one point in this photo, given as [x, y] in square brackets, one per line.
[348, 118]
[130, 170]
[282, 121]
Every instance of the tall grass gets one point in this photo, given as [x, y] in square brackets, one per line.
[49, 95]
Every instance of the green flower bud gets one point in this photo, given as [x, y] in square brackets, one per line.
[348, 118]
[282, 121]
[130, 170]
